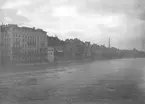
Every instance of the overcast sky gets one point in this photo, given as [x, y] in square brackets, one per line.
[90, 20]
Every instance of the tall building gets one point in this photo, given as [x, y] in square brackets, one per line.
[4, 45]
[24, 44]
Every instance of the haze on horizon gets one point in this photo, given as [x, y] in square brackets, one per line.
[90, 20]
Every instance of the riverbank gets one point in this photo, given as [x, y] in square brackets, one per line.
[40, 66]
[47, 66]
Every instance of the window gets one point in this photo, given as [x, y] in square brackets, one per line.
[23, 45]
[23, 40]
[13, 57]
[42, 44]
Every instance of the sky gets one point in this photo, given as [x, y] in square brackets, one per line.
[89, 20]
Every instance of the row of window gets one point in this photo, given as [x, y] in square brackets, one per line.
[25, 58]
[6, 40]
[22, 30]
[6, 45]
[26, 36]
[29, 42]
[24, 40]
[51, 53]
[29, 51]
[17, 44]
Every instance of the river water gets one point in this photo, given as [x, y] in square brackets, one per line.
[118, 81]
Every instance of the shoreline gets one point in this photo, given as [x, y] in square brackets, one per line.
[51, 66]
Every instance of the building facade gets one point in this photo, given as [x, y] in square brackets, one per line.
[24, 44]
[87, 50]
[50, 51]
[4, 45]
[75, 49]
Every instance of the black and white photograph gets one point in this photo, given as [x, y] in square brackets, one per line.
[72, 51]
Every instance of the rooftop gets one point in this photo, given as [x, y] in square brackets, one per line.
[26, 28]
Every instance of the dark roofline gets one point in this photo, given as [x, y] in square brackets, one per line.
[29, 28]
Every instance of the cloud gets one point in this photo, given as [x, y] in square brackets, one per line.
[9, 11]
[15, 4]
[91, 20]
[110, 5]
[11, 16]
[134, 8]
[2, 2]
[7, 19]
[1, 15]
[74, 34]
[64, 11]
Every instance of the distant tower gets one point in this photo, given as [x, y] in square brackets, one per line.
[109, 43]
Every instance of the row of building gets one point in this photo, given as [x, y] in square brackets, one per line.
[22, 44]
